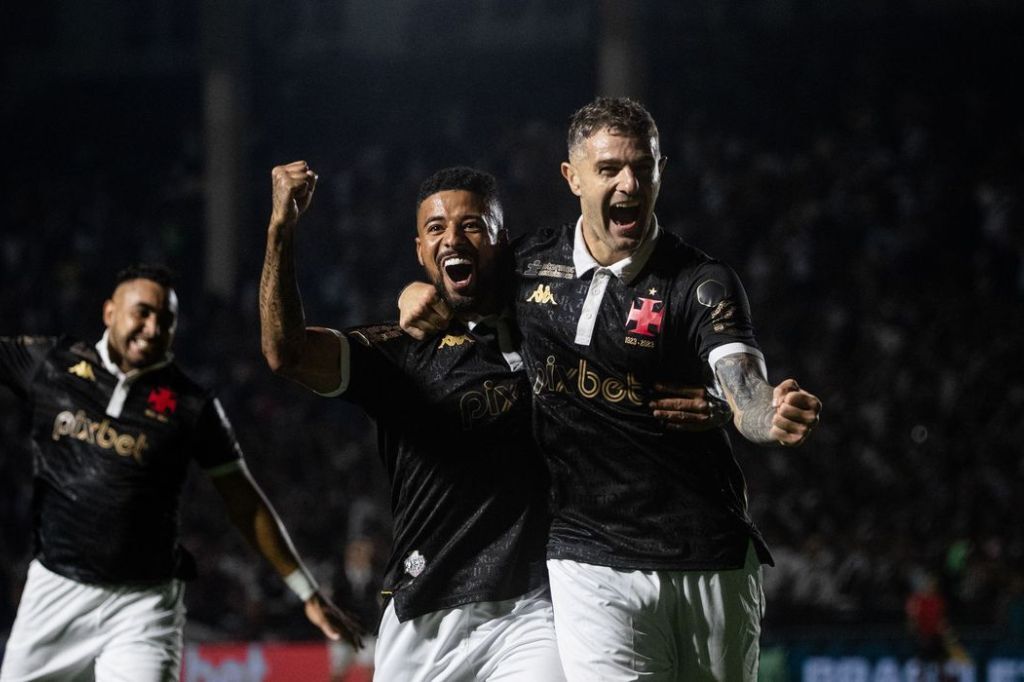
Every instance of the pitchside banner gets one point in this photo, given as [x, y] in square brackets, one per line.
[314, 662]
[862, 669]
[252, 662]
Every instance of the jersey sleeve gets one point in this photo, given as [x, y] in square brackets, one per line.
[214, 443]
[377, 360]
[720, 314]
[20, 359]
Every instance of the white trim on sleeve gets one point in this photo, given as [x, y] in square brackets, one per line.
[345, 366]
[226, 468]
[720, 352]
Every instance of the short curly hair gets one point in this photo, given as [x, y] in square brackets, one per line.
[472, 180]
[620, 115]
[161, 274]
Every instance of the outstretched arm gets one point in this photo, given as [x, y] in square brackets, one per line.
[763, 414]
[311, 356]
[421, 311]
[250, 511]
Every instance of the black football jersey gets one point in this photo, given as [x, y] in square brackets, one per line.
[107, 488]
[626, 492]
[468, 485]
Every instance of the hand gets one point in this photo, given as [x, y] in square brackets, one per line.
[335, 623]
[796, 413]
[688, 408]
[422, 311]
[293, 190]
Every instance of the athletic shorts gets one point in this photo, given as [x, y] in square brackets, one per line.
[67, 630]
[657, 626]
[504, 641]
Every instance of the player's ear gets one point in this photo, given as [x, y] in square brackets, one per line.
[571, 177]
[108, 312]
[419, 256]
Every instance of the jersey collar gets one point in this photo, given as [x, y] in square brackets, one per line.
[124, 380]
[626, 269]
[103, 348]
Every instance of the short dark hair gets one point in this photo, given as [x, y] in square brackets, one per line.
[161, 274]
[620, 115]
[469, 179]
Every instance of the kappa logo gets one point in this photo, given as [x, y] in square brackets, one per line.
[452, 340]
[163, 401]
[645, 316]
[83, 370]
[542, 294]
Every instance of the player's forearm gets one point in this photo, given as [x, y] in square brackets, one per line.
[271, 540]
[251, 512]
[282, 320]
[749, 395]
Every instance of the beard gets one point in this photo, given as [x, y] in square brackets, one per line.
[457, 303]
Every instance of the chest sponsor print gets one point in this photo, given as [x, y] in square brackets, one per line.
[81, 427]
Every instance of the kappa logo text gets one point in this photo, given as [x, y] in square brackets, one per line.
[542, 294]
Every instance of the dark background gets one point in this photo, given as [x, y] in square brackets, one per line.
[858, 163]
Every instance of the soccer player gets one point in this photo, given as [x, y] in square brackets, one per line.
[466, 585]
[653, 559]
[114, 426]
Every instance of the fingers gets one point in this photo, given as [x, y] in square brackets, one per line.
[780, 391]
[422, 311]
[797, 412]
[688, 408]
[293, 185]
[335, 623]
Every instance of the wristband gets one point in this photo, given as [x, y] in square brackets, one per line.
[300, 583]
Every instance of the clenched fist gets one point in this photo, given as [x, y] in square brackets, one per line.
[293, 190]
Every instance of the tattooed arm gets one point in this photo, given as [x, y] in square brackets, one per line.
[309, 355]
[763, 414]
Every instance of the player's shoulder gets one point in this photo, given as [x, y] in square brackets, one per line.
[379, 334]
[62, 347]
[688, 262]
[545, 239]
[182, 386]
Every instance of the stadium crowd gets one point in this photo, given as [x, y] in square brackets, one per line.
[882, 253]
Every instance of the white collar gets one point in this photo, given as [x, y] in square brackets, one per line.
[625, 269]
[103, 348]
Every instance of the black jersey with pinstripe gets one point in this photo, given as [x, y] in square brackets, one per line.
[468, 485]
[107, 488]
[626, 492]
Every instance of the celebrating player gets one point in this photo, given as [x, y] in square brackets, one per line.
[114, 427]
[466, 585]
[654, 562]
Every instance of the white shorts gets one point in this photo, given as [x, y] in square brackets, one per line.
[657, 626]
[504, 641]
[67, 630]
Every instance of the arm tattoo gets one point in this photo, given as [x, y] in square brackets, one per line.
[749, 395]
[282, 321]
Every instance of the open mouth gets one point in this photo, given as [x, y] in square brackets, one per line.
[458, 270]
[625, 214]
